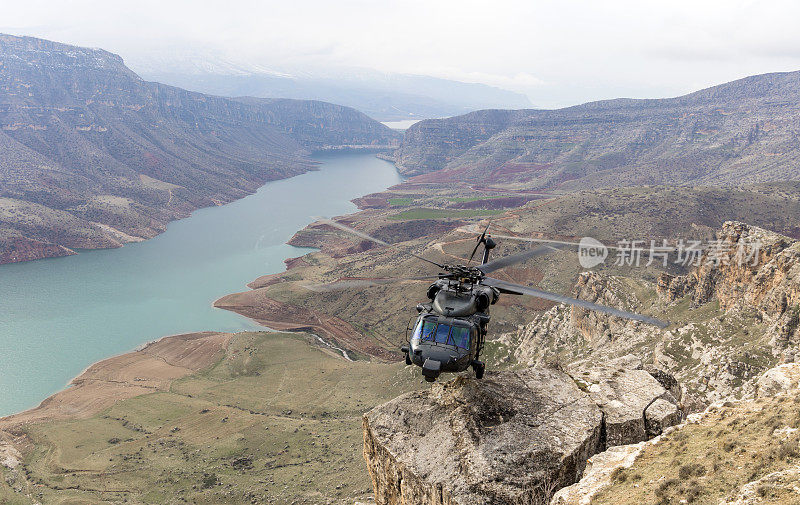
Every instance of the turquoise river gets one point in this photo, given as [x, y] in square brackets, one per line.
[58, 316]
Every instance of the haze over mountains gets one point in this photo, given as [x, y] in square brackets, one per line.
[382, 96]
[741, 131]
[94, 156]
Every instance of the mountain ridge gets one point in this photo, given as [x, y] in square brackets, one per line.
[742, 131]
[94, 156]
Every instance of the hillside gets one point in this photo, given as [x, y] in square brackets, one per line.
[740, 132]
[734, 453]
[93, 156]
[210, 418]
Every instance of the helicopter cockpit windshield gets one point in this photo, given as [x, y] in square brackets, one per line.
[430, 330]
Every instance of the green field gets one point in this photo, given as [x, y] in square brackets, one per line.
[275, 421]
[461, 199]
[400, 202]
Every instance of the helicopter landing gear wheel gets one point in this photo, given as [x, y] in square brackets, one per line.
[479, 368]
[405, 350]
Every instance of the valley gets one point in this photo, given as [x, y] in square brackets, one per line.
[223, 412]
[95, 157]
[61, 314]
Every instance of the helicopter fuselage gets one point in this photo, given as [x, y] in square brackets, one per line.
[450, 331]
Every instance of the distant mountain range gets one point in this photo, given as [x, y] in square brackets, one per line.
[383, 96]
[743, 131]
[92, 156]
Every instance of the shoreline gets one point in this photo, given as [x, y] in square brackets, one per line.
[44, 246]
[165, 359]
[319, 334]
[47, 250]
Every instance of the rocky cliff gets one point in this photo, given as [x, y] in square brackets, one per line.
[514, 437]
[742, 131]
[766, 286]
[92, 156]
[603, 389]
[731, 322]
[733, 453]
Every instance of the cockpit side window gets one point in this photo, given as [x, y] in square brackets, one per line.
[459, 336]
[425, 330]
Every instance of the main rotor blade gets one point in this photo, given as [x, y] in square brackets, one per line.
[361, 283]
[483, 236]
[505, 261]
[363, 235]
[525, 290]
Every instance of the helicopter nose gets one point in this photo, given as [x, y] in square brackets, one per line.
[431, 369]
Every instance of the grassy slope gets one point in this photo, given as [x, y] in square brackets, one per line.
[275, 421]
[711, 461]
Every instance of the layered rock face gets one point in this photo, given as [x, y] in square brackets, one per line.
[513, 437]
[635, 405]
[742, 131]
[768, 284]
[731, 322]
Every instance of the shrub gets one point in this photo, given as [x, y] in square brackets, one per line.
[691, 470]
[209, 480]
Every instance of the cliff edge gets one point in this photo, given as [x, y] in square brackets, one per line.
[513, 437]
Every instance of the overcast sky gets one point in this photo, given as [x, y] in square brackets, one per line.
[557, 52]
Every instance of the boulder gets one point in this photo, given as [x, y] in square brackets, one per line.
[785, 377]
[636, 407]
[513, 437]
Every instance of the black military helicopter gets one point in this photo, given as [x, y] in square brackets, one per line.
[450, 331]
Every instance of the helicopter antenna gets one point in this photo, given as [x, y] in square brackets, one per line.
[363, 235]
[481, 240]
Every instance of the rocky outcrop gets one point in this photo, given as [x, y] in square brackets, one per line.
[514, 437]
[785, 377]
[770, 280]
[636, 407]
[585, 333]
[597, 475]
[768, 283]
[731, 321]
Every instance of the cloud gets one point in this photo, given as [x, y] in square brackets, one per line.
[557, 52]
